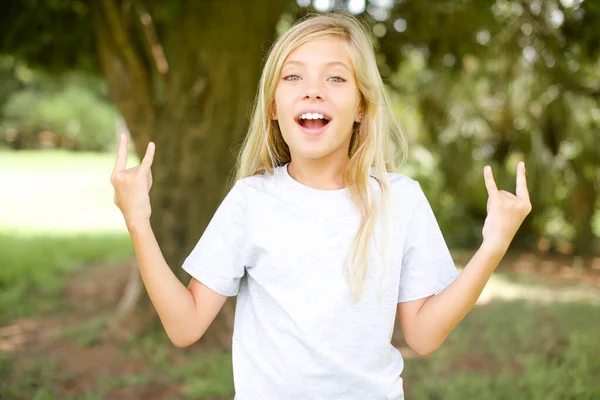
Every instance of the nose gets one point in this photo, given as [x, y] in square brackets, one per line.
[313, 94]
[313, 91]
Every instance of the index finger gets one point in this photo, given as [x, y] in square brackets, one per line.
[522, 191]
[148, 158]
[490, 184]
[121, 162]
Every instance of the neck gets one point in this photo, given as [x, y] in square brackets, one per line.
[322, 173]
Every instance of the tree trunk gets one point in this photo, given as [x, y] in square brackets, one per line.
[196, 112]
[582, 207]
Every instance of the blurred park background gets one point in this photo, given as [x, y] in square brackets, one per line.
[474, 82]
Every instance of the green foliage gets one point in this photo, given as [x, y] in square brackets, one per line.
[490, 85]
[54, 34]
[72, 106]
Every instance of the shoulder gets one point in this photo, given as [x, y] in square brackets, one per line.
[253, 186]
[406, 194]
[254, 182]
[402, 185]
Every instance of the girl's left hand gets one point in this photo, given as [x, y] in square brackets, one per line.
[505, 211]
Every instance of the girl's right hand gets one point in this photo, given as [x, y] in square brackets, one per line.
[132, 186]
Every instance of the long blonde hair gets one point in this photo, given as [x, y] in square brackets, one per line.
[378, 141]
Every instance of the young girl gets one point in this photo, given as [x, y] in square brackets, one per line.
[321, 241]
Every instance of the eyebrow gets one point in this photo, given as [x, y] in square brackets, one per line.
[300, 63]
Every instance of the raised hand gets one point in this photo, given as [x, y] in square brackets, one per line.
[506, 211]
[132, 186]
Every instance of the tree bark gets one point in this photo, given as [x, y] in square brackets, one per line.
[196, 113]
[581, 210]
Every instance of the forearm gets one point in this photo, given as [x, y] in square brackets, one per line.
[173, 301]
[442, 312]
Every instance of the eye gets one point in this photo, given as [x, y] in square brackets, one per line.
[291, 76]
[338, 79]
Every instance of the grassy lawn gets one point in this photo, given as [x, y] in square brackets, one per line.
[57, 215]
[530, 337]
[514, 350]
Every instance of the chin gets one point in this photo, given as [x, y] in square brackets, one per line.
[314, 150]
[309, 152]
[310, 155]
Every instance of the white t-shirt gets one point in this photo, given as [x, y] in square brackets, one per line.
[279, 246]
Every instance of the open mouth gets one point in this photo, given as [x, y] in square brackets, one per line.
[313, 121]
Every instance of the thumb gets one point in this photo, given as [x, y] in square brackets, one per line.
[490, 184]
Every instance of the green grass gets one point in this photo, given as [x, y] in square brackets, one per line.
[204, 374]
[515, 350]
[60, 161]
[38, 379]
[58, 191]
[35, 266]
[34, 381]
[57, 216]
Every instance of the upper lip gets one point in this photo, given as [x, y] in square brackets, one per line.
[313, 111]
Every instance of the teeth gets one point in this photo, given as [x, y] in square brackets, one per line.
[312, 116]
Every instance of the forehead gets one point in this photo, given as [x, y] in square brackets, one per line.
[329, 51]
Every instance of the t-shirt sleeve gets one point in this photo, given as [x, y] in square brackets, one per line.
[427, 265]
[217, 260]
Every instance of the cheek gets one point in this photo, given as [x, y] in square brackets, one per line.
[282, 103]
[347, 98]
[346, 108]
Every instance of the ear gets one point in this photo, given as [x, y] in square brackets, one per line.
[359, 114]
[273, 111]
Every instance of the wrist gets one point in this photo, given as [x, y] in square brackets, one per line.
[494, 248]
[137, 224]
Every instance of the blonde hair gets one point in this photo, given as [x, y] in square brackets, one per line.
[376, 141]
